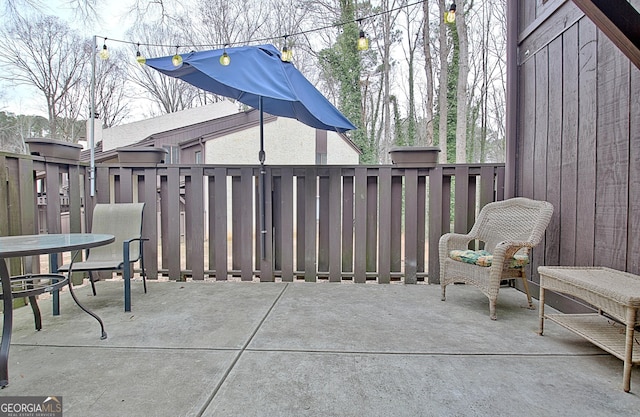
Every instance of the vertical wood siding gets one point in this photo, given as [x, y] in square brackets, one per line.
[578, 139]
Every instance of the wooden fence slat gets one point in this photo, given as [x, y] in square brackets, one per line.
[335, 226]
[194, 222]
[462, 199]
[397, 204]
[28, 206]
[126, 186]
[323, 224]
[487, 185]
[266, 264]
[287, 218]
[384, 260]
[164, 220]
[372, 223]
[310, 220]
[348, 223]
[4, 193]
[300, 222]
[421, 227]
[245, 211]
[52, 184]
[411, 231]
[150, 222]
[360, 226]
[436, 222]
[173, 225]
[103, 187]
[220, 220]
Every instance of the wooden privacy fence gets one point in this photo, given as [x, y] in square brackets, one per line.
[360, 223]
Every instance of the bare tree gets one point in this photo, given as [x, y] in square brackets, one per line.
[43, 52]
[463, 71]
[170, 94]
[220, 22]
[428, 69]
[413, 37]
[388, 36]
[445, 48]
[111, 88]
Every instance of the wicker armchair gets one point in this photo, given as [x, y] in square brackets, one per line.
[508, 229]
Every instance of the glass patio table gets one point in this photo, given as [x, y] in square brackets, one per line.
[35, 284]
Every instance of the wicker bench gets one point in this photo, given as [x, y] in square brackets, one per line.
[617, 296]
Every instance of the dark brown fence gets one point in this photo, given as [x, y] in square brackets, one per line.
[335, 223]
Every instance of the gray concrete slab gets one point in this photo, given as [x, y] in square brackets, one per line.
[266, 349]
[365, 384]
[170, 315]
[406, 319]
[101, 382]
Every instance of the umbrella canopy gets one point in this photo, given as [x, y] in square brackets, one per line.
[257, 73]
[257, 77]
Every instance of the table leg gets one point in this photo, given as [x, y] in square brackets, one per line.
[53, 267]
[37, 317]
[628, 349]
[85, 309]
[7, 299]
[126, 274]
[541, 311]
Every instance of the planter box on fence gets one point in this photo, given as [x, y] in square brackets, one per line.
[143, 155]
[51, 148]
[415, 156]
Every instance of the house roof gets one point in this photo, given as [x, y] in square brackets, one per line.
[193, 134]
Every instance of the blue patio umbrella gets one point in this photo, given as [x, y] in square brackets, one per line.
[257, 77]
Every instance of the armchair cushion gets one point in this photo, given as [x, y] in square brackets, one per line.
[484, 258]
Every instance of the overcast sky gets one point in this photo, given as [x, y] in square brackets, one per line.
[112, 24]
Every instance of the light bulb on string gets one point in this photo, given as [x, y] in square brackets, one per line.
[363, 42]
[177, 59]
[450, 16]
[141, 59]
[287, 54]
[225, 59]
[104, 52]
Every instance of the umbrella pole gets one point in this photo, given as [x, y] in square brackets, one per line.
[261, 157]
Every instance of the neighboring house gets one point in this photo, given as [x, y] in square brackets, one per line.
[231, 138]
[129, 133]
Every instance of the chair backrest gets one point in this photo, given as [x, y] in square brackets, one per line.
[515, 219]
[124, 221]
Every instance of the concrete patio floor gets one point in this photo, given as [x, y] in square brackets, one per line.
[303, 349]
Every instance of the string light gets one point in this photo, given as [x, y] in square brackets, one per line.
[177, 59]
[225, 59]
[363, 42]
[104, 52]
[450, 16]
[270, 39]
[287, 54]
[141, 60]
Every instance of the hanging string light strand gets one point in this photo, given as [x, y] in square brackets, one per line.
[251, 41]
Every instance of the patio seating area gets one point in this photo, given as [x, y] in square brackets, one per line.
[309, 349]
